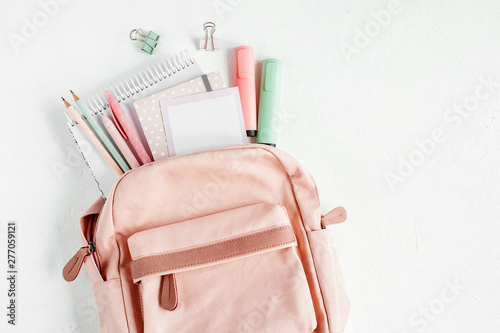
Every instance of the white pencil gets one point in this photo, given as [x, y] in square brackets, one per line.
[93, 138]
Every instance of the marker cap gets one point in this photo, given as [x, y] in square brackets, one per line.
[269, 104]
[244, 78]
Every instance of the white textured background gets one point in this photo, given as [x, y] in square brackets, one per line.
[350, 120]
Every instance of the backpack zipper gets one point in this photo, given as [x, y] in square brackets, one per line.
[74, 265]
[91, 239]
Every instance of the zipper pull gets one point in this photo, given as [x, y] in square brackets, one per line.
[168, 293]
[74, 265]
[335, 216]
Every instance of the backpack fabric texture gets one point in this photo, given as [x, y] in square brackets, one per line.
[225, 240]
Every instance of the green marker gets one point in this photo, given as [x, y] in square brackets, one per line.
[269, 105]
[100, 133]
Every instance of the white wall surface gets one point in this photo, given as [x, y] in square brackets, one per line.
[362, 96]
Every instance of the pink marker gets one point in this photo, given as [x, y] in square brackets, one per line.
[244, 72]
[125, 128]
[117, 137]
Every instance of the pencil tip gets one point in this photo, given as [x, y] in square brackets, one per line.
[76, 98]
[66, 102]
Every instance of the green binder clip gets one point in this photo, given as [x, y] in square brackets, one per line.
[150, 41]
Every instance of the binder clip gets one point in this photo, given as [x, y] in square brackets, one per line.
[209, 43]
[150, 40]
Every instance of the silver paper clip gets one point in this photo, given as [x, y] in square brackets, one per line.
[209, 43]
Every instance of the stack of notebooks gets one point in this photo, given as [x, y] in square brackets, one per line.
[170, 109]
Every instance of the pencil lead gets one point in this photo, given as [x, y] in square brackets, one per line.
[76, 98]
[66, 102]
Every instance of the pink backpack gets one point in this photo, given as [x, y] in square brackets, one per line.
[226, 240]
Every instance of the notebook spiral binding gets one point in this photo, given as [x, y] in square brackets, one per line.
[143, 80]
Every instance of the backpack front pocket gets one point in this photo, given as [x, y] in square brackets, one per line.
[234, 271]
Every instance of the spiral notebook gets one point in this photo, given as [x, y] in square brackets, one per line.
[165, 74]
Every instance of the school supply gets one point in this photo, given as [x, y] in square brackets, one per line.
[86, 129]
[120, 142]
[150, 40]
[101, 171]
[209, 43]
[125, 128]
[149, 112]
[244, 78]
[269, 102]
[203, 121]
[100, 133]
[171, 72]
[226, 240]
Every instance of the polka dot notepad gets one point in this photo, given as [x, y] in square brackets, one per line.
[149, 112]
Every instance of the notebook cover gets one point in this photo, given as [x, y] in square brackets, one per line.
[149, 110]
[204, 121]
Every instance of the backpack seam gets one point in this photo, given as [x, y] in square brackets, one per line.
[303, 227]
